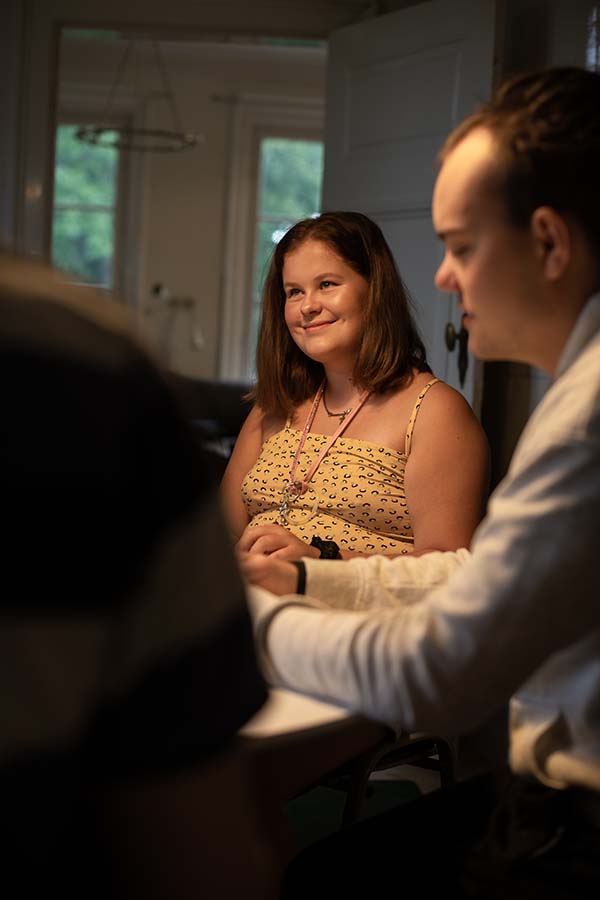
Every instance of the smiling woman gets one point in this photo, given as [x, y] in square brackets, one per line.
[332, 460]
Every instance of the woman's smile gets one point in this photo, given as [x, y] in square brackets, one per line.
[317, 326]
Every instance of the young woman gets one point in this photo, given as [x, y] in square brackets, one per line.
[352, 441]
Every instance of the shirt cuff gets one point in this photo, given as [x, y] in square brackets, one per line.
[332, 581]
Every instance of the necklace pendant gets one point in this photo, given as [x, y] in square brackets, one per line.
[291, 490]
[282, 509]
[336, 415]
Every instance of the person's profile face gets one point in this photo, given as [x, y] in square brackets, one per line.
[324, 303]
[489, 262]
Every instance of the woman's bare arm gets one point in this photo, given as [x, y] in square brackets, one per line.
[447, 473]
[245, 453]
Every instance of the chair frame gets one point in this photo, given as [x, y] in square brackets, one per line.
[427, 751]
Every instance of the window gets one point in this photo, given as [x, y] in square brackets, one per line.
[275, 179]
[84, 220]
[289, 189]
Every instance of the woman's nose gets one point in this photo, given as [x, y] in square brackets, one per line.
[444, 277]
[310, 303]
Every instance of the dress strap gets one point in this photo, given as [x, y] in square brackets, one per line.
[414, 414]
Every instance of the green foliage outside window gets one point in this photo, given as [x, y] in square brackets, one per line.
[85, 196]
[290, 178]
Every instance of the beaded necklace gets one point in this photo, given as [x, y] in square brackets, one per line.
[296, 488]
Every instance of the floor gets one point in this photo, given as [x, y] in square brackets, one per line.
[318, 812]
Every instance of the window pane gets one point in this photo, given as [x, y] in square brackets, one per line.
[82, 244]
[85, 194]
[84, 175]
[291, 173]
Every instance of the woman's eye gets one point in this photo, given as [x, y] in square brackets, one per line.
[292, 292]
[460, 251]
[326, 284]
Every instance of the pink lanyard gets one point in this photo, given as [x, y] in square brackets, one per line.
[297, 488]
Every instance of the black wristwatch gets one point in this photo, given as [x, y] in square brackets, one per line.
[328, 549]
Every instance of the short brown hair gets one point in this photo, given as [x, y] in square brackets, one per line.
[546, 125]
[391, 348]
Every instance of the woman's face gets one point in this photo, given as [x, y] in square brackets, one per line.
[324, 304]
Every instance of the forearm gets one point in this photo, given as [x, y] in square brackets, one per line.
[438, 665]
[321, 653]
[444, 663]
[378, 582]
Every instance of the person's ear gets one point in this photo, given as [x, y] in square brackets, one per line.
[552, 241]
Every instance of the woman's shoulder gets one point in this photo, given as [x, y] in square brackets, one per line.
[444, 411]
[441, 398]
[431, 402]
[409, 396]
[264, 423]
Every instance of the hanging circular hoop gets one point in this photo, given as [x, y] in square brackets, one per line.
[139, 139]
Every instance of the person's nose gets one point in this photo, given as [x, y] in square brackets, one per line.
[445, 279]
[310, 303]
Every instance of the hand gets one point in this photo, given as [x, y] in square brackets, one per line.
[274, 540]
[275, 575]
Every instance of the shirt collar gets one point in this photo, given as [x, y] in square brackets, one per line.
[586, 326]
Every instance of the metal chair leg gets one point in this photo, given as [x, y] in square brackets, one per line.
[416, 751]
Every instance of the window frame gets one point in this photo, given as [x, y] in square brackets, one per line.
[254, 118]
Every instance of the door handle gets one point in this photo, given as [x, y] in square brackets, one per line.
[461, 338]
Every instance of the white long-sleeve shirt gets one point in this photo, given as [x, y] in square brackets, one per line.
[437, 642]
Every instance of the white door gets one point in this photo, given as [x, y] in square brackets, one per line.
[397, 84]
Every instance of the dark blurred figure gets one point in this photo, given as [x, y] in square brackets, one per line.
[126, 655]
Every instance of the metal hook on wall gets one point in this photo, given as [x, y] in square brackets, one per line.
[173, 306]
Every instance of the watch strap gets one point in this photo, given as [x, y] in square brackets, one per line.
[301, 568]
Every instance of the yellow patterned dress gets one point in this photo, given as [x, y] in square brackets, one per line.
[355, 498]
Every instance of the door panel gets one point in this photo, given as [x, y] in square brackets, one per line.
[397, 84]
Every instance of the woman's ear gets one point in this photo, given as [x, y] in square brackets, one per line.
[552, 241]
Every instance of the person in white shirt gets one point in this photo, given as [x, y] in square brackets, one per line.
[439, 642]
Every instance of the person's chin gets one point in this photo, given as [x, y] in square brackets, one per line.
[475, 345]
[486, 351]
[313, 350]
[319, 339]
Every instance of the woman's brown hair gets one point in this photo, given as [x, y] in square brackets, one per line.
[391, 348]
